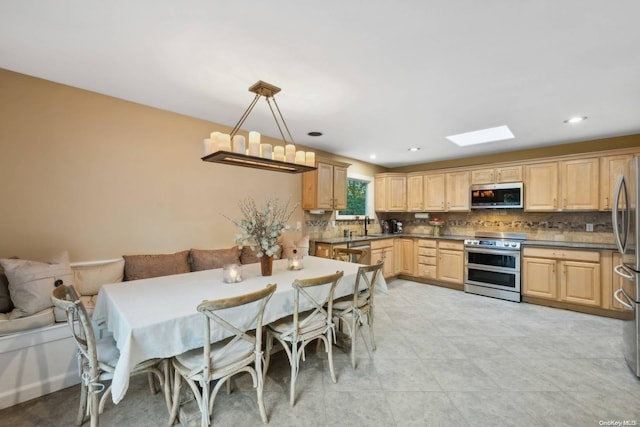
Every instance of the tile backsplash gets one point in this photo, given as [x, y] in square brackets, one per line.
[557, 226]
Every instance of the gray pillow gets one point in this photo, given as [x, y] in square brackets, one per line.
[5, 299]
[146, 266]
[202, 259]
[31, 282]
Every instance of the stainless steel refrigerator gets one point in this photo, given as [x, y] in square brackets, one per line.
[626, 224]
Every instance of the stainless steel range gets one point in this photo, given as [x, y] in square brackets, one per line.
[492, 265]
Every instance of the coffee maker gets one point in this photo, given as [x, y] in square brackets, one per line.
[395, 226]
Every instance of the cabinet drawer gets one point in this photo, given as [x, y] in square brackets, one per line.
[422, 243]
[427, 260]
[427, 271]
[561, 253]
[427, 251]
[377, 244]
[456, 246]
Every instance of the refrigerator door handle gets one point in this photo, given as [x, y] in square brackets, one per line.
[622, 271]
[614, 215]
[623, 303]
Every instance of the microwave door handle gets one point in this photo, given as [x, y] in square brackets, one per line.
[614, 215]
[625, 304]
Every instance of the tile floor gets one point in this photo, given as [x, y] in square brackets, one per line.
[444, 358]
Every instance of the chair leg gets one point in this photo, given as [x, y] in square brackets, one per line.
[206, 421]
[177, 384]
[268, 348]
[354, 338]
[294, 360]
[371, 334]
[82, 410]
[93, 406]
[260, 389]
[329, 345]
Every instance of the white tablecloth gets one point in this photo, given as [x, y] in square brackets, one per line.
[157, 318]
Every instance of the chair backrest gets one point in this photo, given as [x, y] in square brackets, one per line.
[366, 282]
[316, 292]
[350, 255]
[214, 312]
[66, 298]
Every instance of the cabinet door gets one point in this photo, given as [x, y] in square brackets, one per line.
[397, 193]
[339, 188]
[509, 174]
[451, 266]
[389, 262]
[483, 176]
[404, 256]
[539, 277]
[610, 170]
[325, 186]
[579, 184]
[541, 187]
[434, 192]
[457, 192]
[580, 282]
[376, 256]
[380, 193]
[323, 250]
[415, 193]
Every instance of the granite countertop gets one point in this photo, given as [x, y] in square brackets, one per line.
[548, 243]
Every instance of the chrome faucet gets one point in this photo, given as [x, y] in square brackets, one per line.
[366, 221]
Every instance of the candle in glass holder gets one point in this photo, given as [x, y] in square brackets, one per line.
[310, 158]
[300, 157]
[278, 153]
[290, 153]
[239, 144]
[295, 262]
[232, 273]
[266, 151]
[224, 142]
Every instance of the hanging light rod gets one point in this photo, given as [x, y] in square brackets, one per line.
[218, 148]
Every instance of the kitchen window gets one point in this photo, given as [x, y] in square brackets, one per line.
[359, 198]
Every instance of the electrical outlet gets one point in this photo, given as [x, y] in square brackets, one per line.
[589, 227]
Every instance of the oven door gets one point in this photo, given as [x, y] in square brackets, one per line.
[493, 268]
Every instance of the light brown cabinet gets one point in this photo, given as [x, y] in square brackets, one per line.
[451, 262]
[390, 192]
[325, 250]
[403, 255]
[541, 187]
[610, 170]
[415, 193]
[571, 276]
[434, 192]
[427, 258]
[496, 175]
[457, 191]
[579, 184]
[326, 187]
[382, 250]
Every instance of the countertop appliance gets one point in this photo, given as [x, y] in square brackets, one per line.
[492, 265]
[493, 196]
[625, 229]
[395, 226]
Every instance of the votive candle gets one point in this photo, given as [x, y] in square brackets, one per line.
[238, 144]
[300, 157]
[254, 137]
[266, 151]
[224, 142]
[278, 153]
[290, 153]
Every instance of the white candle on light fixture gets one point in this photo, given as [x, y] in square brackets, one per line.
[238, 144]
[266, 151]
[215, 136]
[300, 157]
[254, 137]
[207, 146]
[310, 158]
[254, 144]
[224, 142]
[290, 153]
[278, 153]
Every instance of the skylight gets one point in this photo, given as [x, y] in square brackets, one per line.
[482, 136]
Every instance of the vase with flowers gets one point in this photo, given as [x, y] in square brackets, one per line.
[261, 227]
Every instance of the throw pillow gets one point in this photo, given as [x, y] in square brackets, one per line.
[88, 277]
[301, 246]
[146, 266]
[31, 282]
[5, 299]
[202, 259]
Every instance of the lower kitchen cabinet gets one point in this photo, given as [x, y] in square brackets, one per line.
[382, 250]
[403, 255]
[571, 276]
[451, 262]
[427, 258]
[325, 250]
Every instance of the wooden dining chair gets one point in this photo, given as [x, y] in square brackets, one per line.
[350, 255]
[353, 310]
[299, 329]
[223, 359]
[96, 358]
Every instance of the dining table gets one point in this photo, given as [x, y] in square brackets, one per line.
[157, 317]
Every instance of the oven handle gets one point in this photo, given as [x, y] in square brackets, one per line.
[470, 249]
[506, 270]
[623, 303]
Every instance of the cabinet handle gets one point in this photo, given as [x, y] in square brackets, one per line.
[554, 203]
[564, 203]
[606, 203]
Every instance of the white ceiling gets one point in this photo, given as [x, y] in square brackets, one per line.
[374, 76]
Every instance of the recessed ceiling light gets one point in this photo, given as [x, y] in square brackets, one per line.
[414, 149]
[576, 119]
[482, 136]
[372, 157]
[315, 133]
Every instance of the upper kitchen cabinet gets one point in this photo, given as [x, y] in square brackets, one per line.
[390, 192]
[541, 187]
[579, 181]
[457, 191]
[497, 175]
[610, 170]
[326, 187]
[415, 192]
[434, 192]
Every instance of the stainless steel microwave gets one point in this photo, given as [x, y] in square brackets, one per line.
[494, 196]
